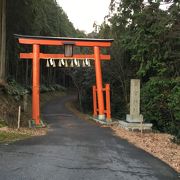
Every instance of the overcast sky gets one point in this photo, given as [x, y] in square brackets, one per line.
[83, 13]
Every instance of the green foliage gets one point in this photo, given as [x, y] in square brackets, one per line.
[44, 88]
[146, 45]
[32, 17]
[161, 104]
[14, 89]
[12, 136]
[176, 139]
[83, 79]
[146, 32]
[58, 87]
[53, 87]
[2, 123]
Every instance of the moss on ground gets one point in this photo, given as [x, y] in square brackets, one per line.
[7, 137]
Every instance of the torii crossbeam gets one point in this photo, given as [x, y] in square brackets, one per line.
[37, 41]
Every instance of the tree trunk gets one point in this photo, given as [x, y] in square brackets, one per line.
[2, 40]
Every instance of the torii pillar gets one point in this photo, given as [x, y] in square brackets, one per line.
[99, 84]
[37, 41]
[36, 84]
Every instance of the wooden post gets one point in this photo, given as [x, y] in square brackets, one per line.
[141, 129]
[19, 117]
[35, 88]
[100, 97]
[94, 102]
[108, 103]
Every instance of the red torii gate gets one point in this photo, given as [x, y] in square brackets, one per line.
[37, 41]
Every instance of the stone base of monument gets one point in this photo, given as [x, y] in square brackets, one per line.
[102, 122]
[134, 118]
[135, 126]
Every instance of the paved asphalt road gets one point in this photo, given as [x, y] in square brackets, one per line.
[78, 150]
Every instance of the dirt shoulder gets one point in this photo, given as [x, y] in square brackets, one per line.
[8, 135]
[158, 144]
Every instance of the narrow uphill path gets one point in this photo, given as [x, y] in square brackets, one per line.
[78, 150]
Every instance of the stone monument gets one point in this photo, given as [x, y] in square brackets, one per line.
[134, 115]
[134, 120]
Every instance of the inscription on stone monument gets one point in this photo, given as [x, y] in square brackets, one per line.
[134, 115]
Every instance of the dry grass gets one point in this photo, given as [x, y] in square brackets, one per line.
[10, 107]
[158, 144]
[8, 135]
